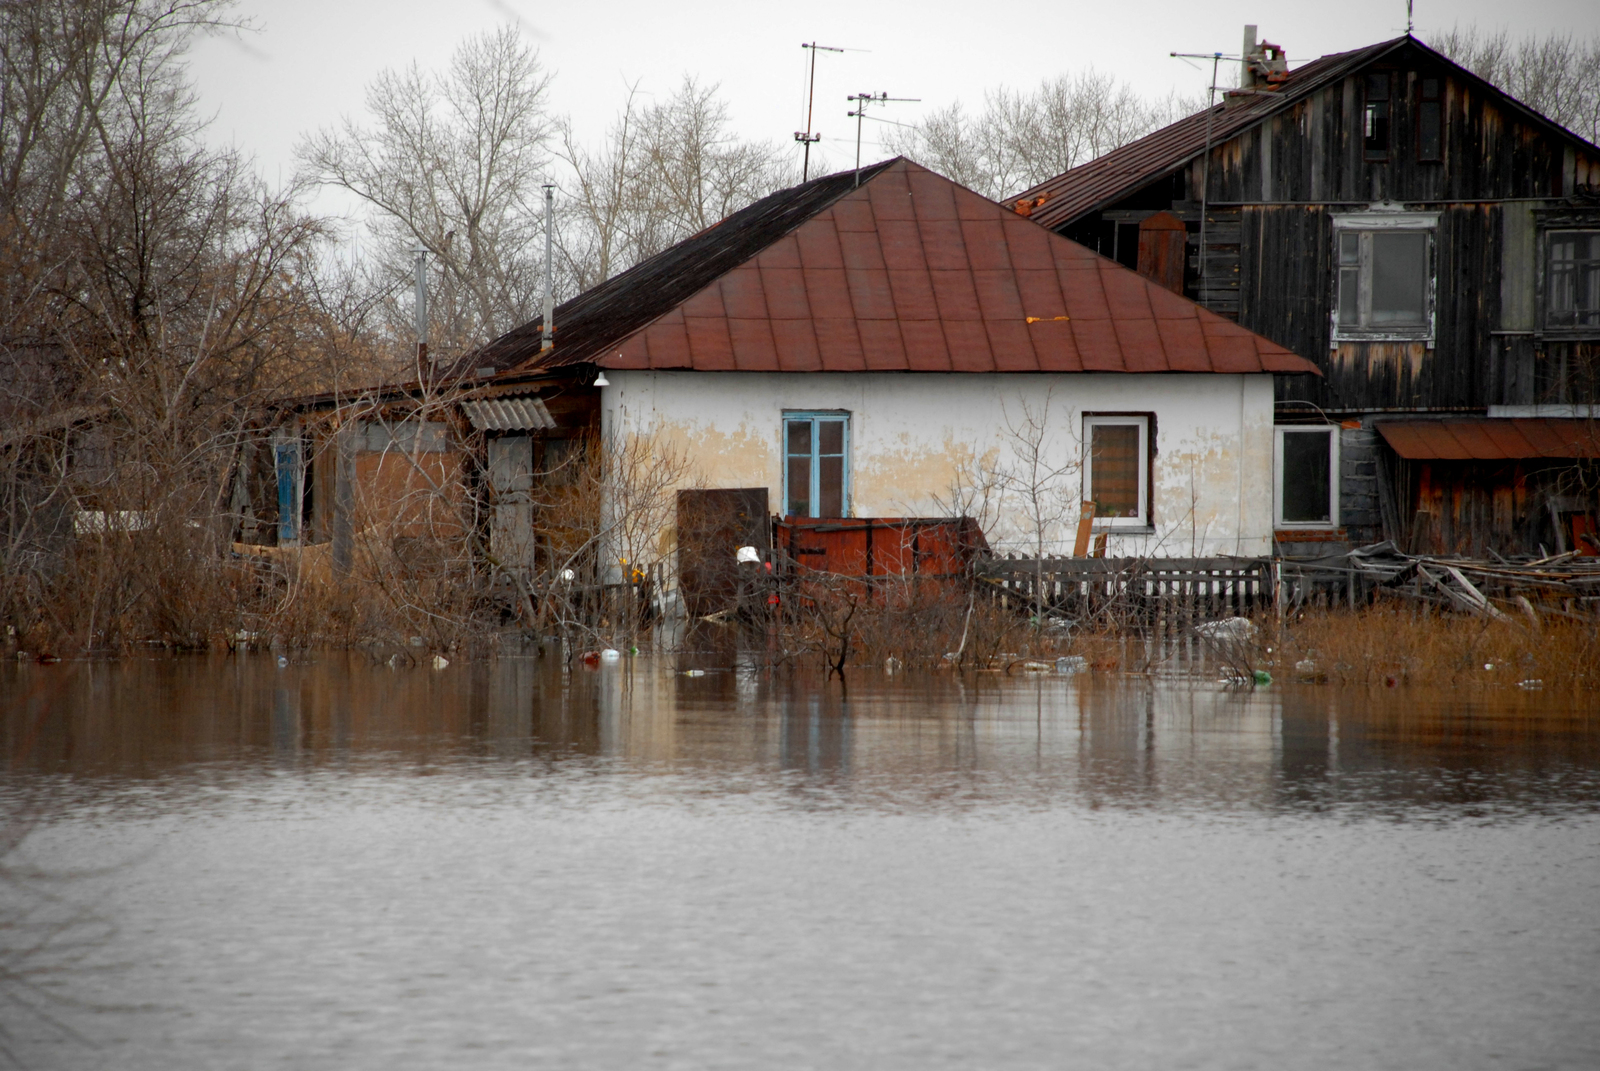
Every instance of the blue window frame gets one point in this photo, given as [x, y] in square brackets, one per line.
[816, 464]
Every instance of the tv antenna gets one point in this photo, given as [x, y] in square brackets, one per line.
[1216, 58]
[805, 136]
[862, 100]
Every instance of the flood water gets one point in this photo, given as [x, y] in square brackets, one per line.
[228, 864]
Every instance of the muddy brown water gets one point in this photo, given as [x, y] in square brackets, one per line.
[228, 864]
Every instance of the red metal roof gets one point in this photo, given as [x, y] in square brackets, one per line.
[911, 272]
[1489, 439]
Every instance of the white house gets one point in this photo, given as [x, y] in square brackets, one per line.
[873, 350]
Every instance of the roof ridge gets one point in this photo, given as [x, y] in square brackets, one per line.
[782, 210]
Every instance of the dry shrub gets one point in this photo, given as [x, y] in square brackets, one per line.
[1388, 644]
[921, 625]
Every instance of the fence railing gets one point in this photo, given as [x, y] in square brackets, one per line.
[1164, 594]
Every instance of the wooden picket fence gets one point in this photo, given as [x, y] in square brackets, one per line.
[1163, 595]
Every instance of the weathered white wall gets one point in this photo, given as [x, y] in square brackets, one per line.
[912, 432]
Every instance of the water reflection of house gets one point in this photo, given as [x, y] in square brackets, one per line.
[1430, 243]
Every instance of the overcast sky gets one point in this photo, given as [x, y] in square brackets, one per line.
[307, 61]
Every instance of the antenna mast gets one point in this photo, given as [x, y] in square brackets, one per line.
[862, 100]
[1216, 59]
[806, 136]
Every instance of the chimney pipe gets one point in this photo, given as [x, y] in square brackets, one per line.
[549, 339]
[421, 266]
[1247, 78]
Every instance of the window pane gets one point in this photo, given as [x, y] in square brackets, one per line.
[799, 434]
[1306, 475]
[1399, 279]
[830, 436]
[1350, 297]
[830, 491]
[799, 502]
[1114, 470]
[1430, 123]
[1349, 249]
[1573, 281]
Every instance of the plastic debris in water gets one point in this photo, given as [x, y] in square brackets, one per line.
[891, 664]
[1229, 628]
[1263, 677]
[1533, 682]
[694, 673]
[610, 654]
[1072, 664]
[440, 661]
[282, 661]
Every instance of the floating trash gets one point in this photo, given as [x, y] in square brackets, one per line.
[440, 661]
[1533, 682]
[610, 654]
[1072, 664]
[694, 673]
[1231, 629]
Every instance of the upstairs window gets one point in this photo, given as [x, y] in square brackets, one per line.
[816, 470]
[1307, 465]
[1384, 268]
[1572, 279]
[1375, 118]
[1430, 120]
[1116, 474]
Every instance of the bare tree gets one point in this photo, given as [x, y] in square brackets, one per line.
[663, 172]
[1022, 138]
[453, 161]
[1557, 75]
[149, 306]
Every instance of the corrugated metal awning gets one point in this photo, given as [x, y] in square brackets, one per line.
[1490, 440]
[524, 412]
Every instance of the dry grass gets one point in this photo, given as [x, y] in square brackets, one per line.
[1399, 646]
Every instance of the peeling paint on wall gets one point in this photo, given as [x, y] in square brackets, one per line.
[913, 435]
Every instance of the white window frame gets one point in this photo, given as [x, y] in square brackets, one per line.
[1142, 421]
[1278, 433]
[1375, 221]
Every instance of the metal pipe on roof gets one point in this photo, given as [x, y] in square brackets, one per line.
[547, 340]
[421, 284]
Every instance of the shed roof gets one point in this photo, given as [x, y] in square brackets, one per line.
[1490, 439]
[1106, 179]
[908, 272]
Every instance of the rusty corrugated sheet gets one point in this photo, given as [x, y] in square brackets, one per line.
[912, 272]
[1490, 439]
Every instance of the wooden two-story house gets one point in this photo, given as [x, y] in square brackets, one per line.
[1430, 243]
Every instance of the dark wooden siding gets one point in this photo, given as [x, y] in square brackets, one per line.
[1272, 270]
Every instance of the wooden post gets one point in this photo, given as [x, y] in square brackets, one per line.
[344, 497]
[1080, 546]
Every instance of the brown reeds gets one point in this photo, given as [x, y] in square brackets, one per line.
[1397, 646]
